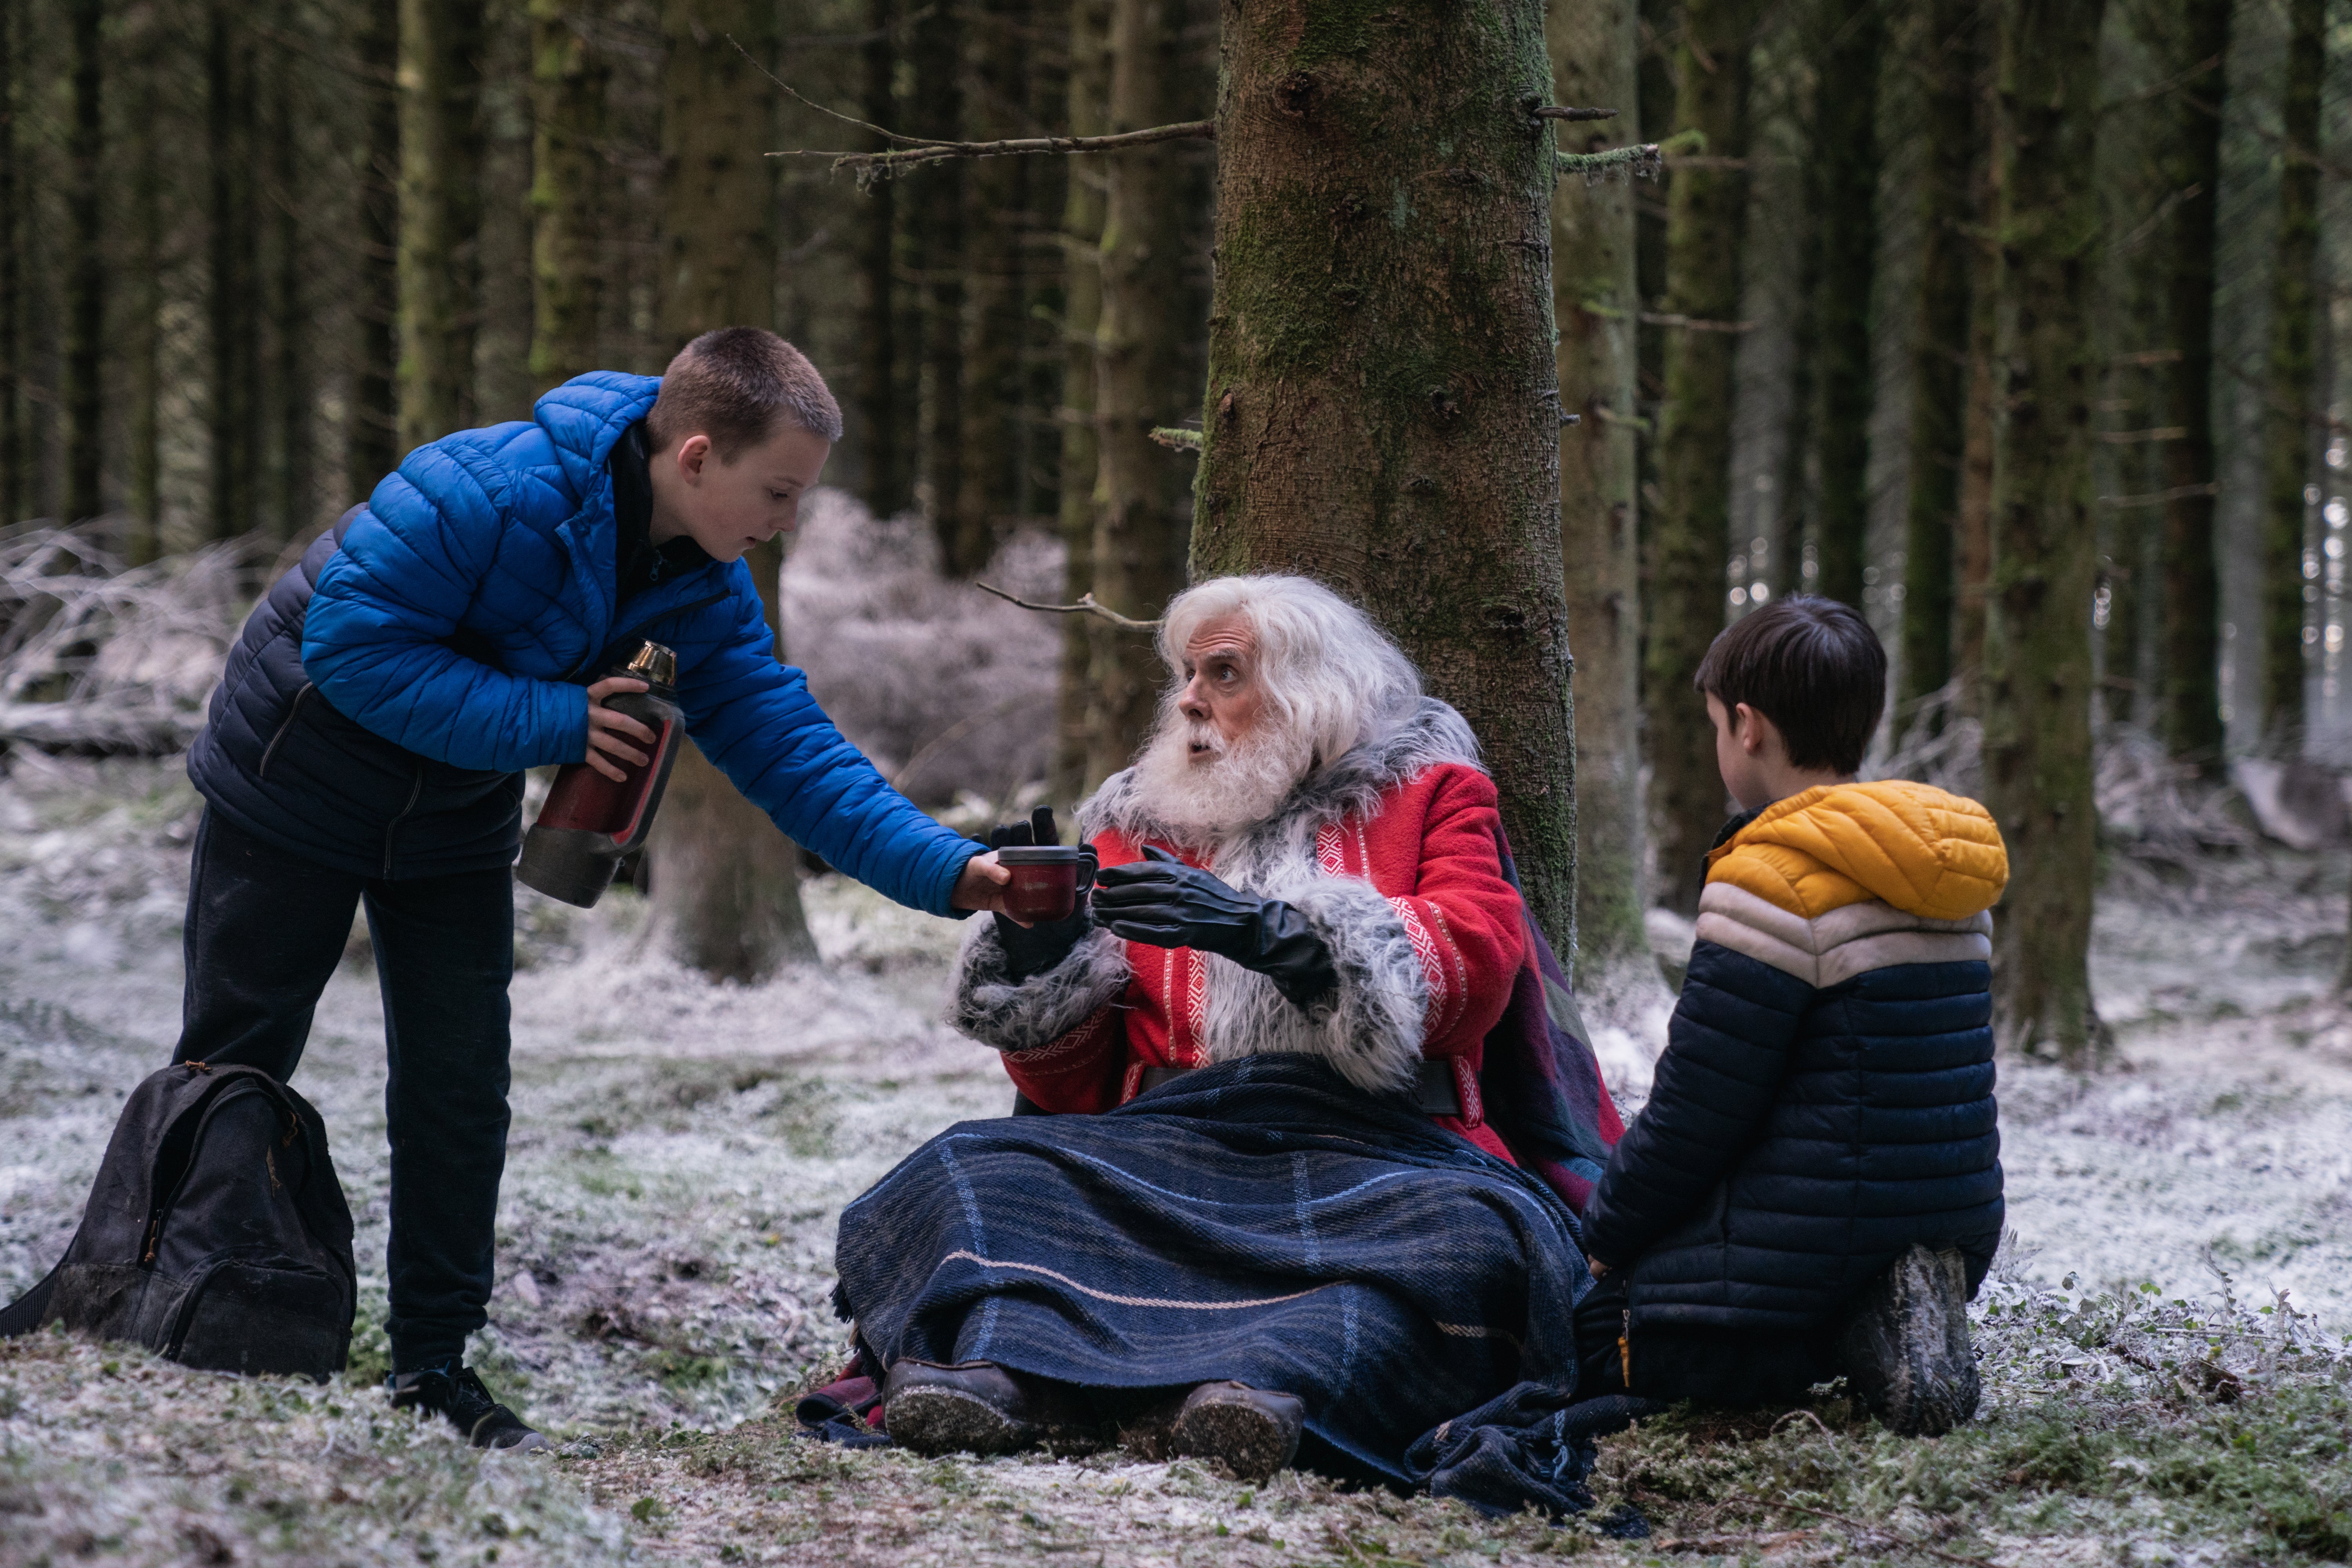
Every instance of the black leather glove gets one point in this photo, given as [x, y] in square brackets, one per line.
[1035, 949]
[1166, 903]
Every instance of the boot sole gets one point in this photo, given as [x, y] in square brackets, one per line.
[1246, 1440]
[934, 1420]
[1908, 1349]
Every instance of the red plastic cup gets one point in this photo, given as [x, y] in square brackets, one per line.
[1045, 881]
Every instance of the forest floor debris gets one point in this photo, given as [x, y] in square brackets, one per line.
[2163, 1349]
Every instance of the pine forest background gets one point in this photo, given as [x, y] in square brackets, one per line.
[251, 253]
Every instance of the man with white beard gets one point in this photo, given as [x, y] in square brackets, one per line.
[1318, 1118]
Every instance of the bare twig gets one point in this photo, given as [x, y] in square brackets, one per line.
[2134, 438]
[881, 165]
[1178, 438]
[2158, 498]
[786, 87]
[1693, 323]
[1555, 111]
[1084, 607]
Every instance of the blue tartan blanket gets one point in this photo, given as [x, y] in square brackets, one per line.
[1262, 1221]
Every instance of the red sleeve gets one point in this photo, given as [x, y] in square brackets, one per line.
[1463, 916]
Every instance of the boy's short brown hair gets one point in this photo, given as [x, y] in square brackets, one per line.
[735, 385]
[1810, 665]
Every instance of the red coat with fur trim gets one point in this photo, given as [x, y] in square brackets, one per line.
[1391, 857]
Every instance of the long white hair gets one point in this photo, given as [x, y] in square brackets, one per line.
[1331, 676]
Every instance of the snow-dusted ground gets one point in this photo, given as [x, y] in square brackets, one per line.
[681, 1152]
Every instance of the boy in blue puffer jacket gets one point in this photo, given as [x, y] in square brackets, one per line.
[367, 743]
[1814, 1186]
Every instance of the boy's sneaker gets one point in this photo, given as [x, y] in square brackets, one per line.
[1905, 1350]
[453, 1390]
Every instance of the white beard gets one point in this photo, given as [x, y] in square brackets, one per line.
[1210, 798]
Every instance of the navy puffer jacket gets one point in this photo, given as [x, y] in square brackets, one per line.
[377, 712]
[1825, 1099]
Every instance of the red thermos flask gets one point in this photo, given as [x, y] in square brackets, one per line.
[589, 822]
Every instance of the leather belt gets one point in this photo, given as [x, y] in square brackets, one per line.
[1434, 1091]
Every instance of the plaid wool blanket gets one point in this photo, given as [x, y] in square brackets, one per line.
[1262, 1221]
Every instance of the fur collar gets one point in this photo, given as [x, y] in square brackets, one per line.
[1433, 734]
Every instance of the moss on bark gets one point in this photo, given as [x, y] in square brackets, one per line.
[1383, 408]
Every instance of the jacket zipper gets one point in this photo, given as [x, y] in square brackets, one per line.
[292, 713]
[1625, 1352]
[414, 791]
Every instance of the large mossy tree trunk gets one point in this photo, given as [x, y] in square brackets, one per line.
[372, 420]
[86, 264]
[2289, 582]
[144, 304]
[1690, 535]
[1843, 186]
[725, 882]
[1946, 51]
[2038, 677]
[1082, 228]
[440, 216]
[2192, 582]
[568, 74]
[1143, 523]
[1595, 49]
[1382, 409]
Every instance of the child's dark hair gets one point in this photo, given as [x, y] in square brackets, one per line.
[1810, 665]
[734, 385]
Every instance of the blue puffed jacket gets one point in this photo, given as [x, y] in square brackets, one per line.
[377, 712]
[1825, 1099]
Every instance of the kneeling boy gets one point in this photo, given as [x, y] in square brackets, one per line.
[1814, 1186]
[368, 740]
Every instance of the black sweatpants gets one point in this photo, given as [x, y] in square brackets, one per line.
[1717, 1367]
[265, 930]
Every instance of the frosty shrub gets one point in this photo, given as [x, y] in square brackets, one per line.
[96, 656]
[947, 689]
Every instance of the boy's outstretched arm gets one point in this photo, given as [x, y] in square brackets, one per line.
[1726, 1052]
[756, 721]
[374, 637]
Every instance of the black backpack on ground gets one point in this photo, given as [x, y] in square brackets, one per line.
[215, 1234]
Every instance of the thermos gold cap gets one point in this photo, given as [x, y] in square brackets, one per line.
[654, 664]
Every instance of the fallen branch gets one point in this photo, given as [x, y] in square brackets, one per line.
[1555, 111]
[1179, 438]
[1640, 162]
[1084, 607]
[1693, 323]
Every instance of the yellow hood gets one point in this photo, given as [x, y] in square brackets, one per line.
[1925, 852]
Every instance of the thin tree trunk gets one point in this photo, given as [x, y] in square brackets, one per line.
[1949, 55]
[1844, 180]
[1972, 544]
[144, 330]
[1082, 226]
[2290, 586]
[1594, 48]
[2193, 583]
[2037, 709]
[440, 216]
[236, 407]
[291, 503]
[14, 478]
[567, 190]
[85, 267]
[996, 192]
[1143, 528]
[882, 416]
[1407, 455]
[1691, 540]
[935, 198]
[372, 424]
[726, 881]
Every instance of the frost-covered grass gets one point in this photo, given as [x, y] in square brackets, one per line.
[681, 1154]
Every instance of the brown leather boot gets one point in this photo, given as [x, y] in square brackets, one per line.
[973, 1406]
[1253, 1431]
